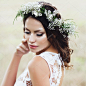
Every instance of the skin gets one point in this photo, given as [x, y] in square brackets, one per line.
[39, 38]
[38, 67]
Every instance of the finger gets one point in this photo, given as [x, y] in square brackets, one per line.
[23, 46]
[24, 36]
[20, 49]
[24, 40]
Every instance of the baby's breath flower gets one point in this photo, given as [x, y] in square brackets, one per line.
[46, 12]
[50, 17]
[40, 14]
[49, 12]
[65, 26]
[55, 12]
[35, 13]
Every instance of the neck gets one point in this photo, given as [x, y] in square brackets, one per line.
[49, 49]
[52, 49]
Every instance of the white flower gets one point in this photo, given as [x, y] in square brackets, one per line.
[35, 8]
[35, 13]
[50, 17]
[46, 12]
[49, 12]
[24, 12]
[56, 20]
[38, 10]
[40, 14]
[55, 12]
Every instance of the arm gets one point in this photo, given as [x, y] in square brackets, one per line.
[39, 72]
[10, 76]
[11, 73]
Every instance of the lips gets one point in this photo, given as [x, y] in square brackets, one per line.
[33, 46]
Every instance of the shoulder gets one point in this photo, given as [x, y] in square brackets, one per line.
[39, 71]
[38, 63]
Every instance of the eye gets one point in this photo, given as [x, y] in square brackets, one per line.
[27, 32]
[39, 34]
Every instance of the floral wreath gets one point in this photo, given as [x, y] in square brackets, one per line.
[68, 26]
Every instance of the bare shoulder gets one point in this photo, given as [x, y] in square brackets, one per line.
[39, 72]
[39, 62]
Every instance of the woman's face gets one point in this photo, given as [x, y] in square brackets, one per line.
[35, 35]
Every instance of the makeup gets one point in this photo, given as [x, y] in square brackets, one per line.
[33, 47]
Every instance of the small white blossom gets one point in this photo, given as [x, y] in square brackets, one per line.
[35, 13]
[67, 26]
[40, 14]
[49, 12]
[50, 17]
[64, 36]
[55, 12]
[46, 12]
[38, 10]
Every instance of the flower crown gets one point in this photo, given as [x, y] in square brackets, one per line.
[65, 26]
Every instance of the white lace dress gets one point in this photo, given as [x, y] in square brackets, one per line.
[54, 63]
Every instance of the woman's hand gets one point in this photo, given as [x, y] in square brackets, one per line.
[11, 72]
[22, 48]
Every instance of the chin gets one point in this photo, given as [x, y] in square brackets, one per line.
[38, 51]
[34, 50]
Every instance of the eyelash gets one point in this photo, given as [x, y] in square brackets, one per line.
[37, 34]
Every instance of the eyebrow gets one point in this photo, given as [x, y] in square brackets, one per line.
[34, 31]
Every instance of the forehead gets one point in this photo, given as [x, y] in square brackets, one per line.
[33, 24]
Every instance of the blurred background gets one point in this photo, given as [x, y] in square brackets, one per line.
[11, 36]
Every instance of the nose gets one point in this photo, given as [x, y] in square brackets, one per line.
[32, 38]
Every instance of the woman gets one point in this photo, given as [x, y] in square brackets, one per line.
[46, 34]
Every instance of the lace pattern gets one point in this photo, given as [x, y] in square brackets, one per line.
[54, 63]
[24, 79]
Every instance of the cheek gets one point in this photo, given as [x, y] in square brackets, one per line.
[26, 36]
[43, 40]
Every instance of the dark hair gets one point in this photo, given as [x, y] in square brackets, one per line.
[57, 40]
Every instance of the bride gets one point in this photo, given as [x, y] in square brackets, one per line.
[45, 34]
